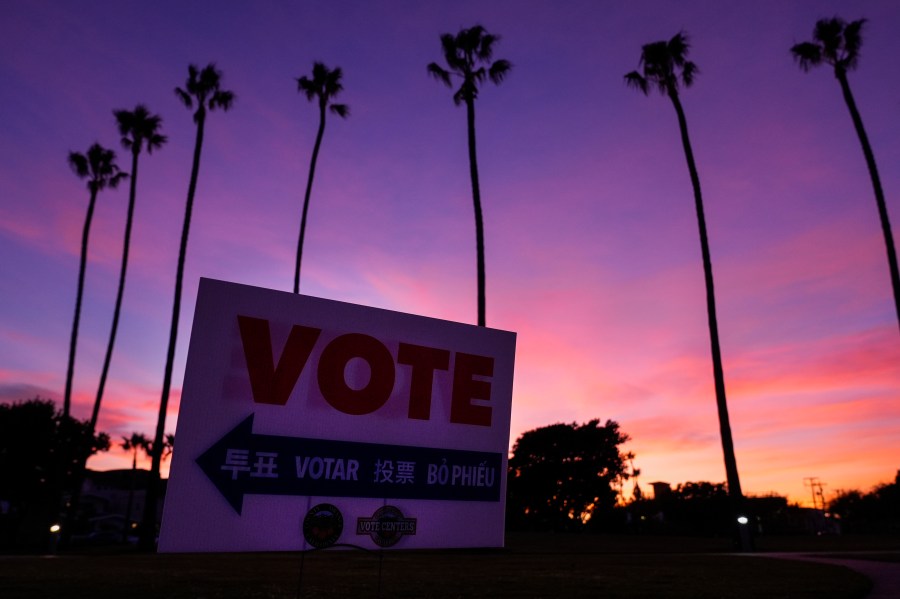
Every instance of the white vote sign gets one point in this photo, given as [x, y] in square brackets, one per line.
[307, 423]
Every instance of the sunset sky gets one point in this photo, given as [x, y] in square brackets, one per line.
[593, 256]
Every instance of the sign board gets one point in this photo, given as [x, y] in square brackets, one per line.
[306, 422]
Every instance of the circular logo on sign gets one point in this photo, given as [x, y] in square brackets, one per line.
[323, 525]
[386, 526]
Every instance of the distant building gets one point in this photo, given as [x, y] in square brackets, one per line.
[111, 505]
[661, 490]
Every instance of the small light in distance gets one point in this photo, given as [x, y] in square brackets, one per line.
[742, 520]
[55, 528]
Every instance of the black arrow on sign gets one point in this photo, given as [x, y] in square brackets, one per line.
[244, 463]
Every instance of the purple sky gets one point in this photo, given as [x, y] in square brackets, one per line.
[593, 256]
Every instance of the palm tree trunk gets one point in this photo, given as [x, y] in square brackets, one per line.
[731, 469]
[68, 447]
[876, 185]
[70, 371]
[148, 523]
[309, 182]
[127, 526]
[476, 200]
[95, 414]
[78, 476]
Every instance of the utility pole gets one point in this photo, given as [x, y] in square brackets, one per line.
[811, 482]
[818, 497]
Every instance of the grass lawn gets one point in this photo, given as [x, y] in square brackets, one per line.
[531, 566]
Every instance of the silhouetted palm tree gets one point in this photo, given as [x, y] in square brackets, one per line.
[135, 443]
[203, 90]
[98, 166]
[664, 63]
[837, 43]
[468, 55]
[137, 128]
[324, 85]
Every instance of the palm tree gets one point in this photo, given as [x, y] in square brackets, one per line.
[664, 63]
[324, 85]
[136, 442]
[837, 43]
[468, 55]
[203, 90]
[137, 128]
[98, 166]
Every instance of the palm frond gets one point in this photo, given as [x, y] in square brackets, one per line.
[209, 78]
[99, 159]
[126, 130]
[450, 48]
[658, 66]
[485, 49]
[469, 40]
[807, 55]
[637, 81]
[460, 95]
[342, 110]
[193, 72]
[499, 70]
[320, 71]
[222, 99]
[141, 113]
[477, 76]
[333, 85]
[185, 97]
[853, 42]
[79, 164]
[155, 141]
[827, 33]
[123, 121]
[439, 73]
[117, 178]
[678, 48]
[688, 71]
[306, 85]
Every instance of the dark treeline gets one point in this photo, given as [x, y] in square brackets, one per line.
[34, 434]
[562, 478]
[877, 511]
[34, 437]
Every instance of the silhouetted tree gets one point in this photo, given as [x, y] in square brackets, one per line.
[137, 128]
[99, 167]
[877, 511]
[562, 475]
[663, 64]
[203, 90]
[468, 56]
[324, 86]
[33, 435]
[837, 43]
